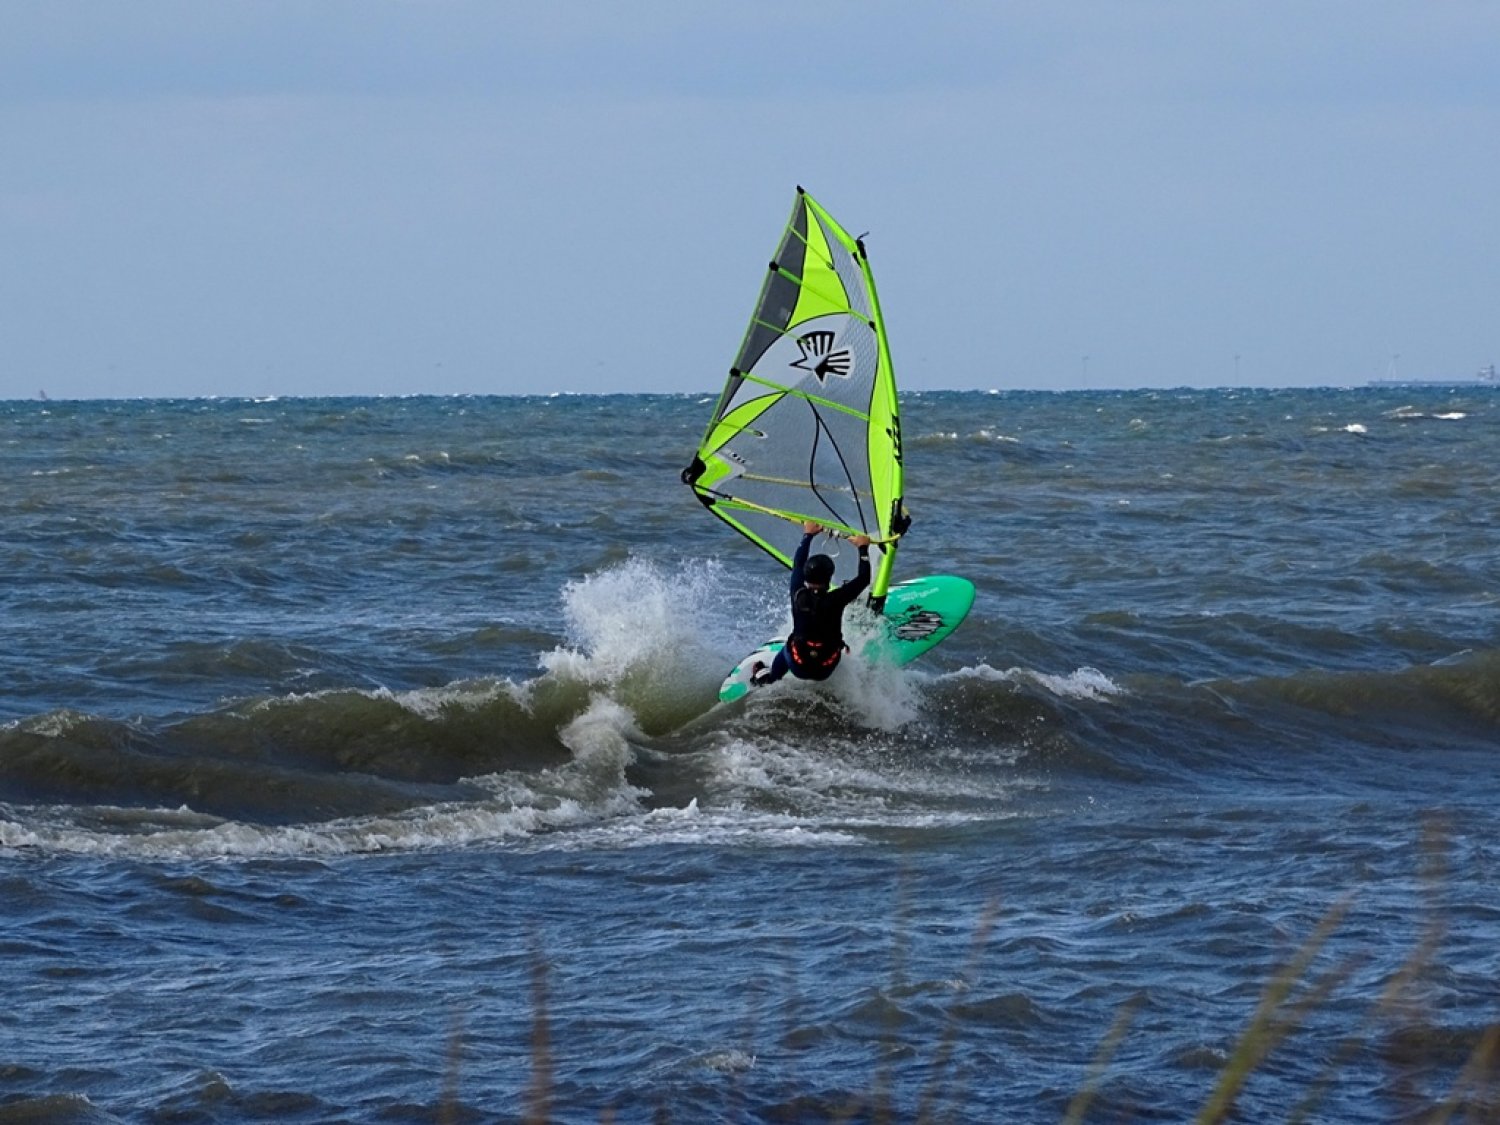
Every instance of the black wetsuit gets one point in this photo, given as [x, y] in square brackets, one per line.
[816, 643]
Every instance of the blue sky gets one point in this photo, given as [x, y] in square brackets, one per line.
[341, 197]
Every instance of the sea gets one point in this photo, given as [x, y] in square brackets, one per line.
[361, 761]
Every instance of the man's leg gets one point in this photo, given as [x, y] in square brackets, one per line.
[779, 667]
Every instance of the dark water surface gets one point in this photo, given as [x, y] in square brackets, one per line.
[359, 761]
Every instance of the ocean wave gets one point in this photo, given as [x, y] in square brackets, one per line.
[608, 786]
[562, 762]
[1414, 414]
[1459, 696]
[558, 761]
[618, 739]
[988, 444]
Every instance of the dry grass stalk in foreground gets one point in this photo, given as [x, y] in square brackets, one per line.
[539, 1094]
[1281, 1011]
[928, 1107]
[1079, 1106]
[1271, 1022]
[448, 1111]
[1473, 1090]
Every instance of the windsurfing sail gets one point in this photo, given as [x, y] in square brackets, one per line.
[807, 427]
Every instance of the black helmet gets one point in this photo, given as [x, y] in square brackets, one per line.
[818, 570]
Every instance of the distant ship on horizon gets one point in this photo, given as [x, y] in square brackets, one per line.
[1485, 375]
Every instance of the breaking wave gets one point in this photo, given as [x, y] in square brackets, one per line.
[618, 741]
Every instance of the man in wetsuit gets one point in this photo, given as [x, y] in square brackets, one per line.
[816, 643]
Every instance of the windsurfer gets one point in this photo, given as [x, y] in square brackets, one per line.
[816, 643]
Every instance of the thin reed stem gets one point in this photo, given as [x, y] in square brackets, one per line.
[944, 1056]
[1267, 1026]
[1079, 1106]
[539, 1092]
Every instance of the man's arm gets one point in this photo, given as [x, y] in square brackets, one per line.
[856, 585]
[799, 560]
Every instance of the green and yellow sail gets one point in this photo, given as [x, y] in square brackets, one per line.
[807, 426]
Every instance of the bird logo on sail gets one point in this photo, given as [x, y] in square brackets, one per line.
[821, 358]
